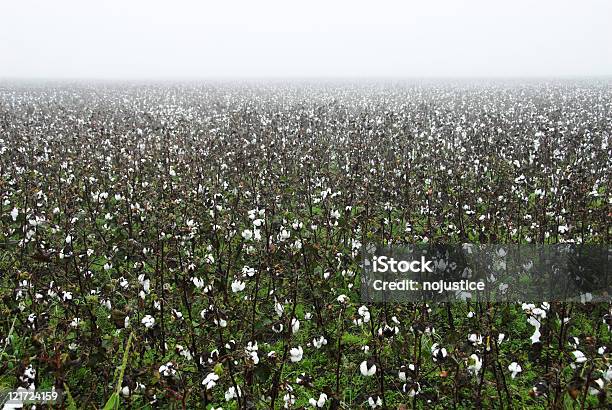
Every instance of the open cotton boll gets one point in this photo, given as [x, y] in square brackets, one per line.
[295, 325]
[579, 357]
[232, 393]
[148, 321]
[367, 368]
[474, 364]
[238, 286]
[514, 368]
[296, 354]
[210, 381]
[535, 338]
[125, 391]
[438, 353]
[375, 402]
[320, 402]
[320, 342]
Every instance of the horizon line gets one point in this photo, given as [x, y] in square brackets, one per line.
[294, 78]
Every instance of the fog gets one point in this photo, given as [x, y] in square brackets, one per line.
[140, 39]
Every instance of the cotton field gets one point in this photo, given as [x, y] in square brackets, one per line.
[198, 245]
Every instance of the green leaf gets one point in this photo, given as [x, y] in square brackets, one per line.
[71, 403]
[113, 402]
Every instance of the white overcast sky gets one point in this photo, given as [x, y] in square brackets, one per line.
[151, 39]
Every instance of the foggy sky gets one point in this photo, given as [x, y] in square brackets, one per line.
[150, 39]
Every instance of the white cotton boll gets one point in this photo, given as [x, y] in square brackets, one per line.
[14, 214]
[574, 341]
[475, 339]
[320, 342]
[438, 353]
[375, 402]
[608, 374]
[210, 381]
[527, 306]
[597, 386]
[320, 402]
[289, 400]
[514, 369]
[146, 285]
[254, 357]
[474, 364]
[247, 234]
[367, 369]
[296, 354]
[535, 337]
[232, 393]
[295, 325]
[238, 286]
[343, 299]
[533, 321]
[178, 315]
[251, 350]
[148, 321]
[284, 235]
[579, 357]
[68, 239]
[248, 271]
[256, 236]
[364, 313]
[402, 372]
[29, 374]
[278, 308]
